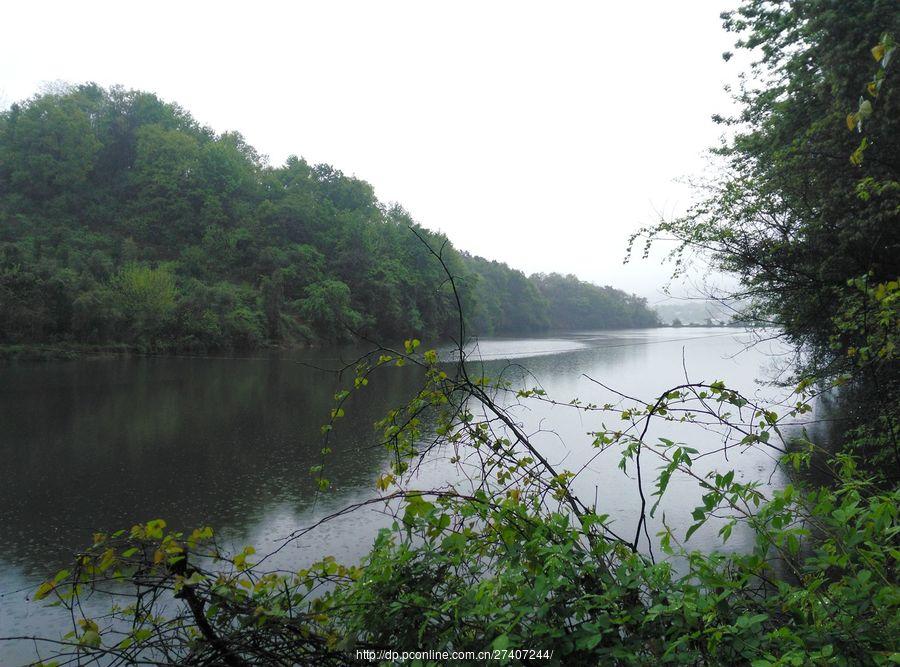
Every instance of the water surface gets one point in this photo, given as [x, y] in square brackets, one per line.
[228, 442]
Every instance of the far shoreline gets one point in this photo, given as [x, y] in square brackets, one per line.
[71, 351]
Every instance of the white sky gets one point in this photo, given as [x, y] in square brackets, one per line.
[537, 133]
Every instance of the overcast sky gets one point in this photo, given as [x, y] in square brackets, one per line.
[537, 133]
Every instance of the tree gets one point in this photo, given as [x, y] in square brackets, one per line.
[146, 297]
[327, 308]
[807, 204]
[48, 147]
[93, 181]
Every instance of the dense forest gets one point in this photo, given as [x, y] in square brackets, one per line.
[506, 300]
[124, 220]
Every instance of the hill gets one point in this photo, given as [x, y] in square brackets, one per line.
[124, 220]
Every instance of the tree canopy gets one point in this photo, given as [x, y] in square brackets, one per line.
[805, 210]
[126, 220]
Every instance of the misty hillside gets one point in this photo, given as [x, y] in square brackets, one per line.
[124, 220]
[692, 311]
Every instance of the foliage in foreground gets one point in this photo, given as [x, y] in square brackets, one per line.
[516, 558]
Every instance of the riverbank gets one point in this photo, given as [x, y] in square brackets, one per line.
[228, 442]
[69, 351]
[61, 351]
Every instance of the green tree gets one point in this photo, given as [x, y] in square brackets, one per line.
[807, 203]
[48, 147]
[95, 180]
[146, 297]
[327, 308]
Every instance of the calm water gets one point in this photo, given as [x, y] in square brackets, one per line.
[99, 444]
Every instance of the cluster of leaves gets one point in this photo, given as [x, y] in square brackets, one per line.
[482, 574]
[100, 189]
[217, 592]
[883, 52]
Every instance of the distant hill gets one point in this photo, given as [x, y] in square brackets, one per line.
[695, 312]
[507, 300]
[124, 220]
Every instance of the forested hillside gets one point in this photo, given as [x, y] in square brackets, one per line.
[508, 300]
[124, 220]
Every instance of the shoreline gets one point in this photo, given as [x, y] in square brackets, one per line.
[70, 351]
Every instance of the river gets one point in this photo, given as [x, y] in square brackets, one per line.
[98, 444]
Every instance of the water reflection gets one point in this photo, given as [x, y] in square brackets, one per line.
[228, 442]
[641, 363]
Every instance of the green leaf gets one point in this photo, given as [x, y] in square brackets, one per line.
[90, 638]
[692, 530]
